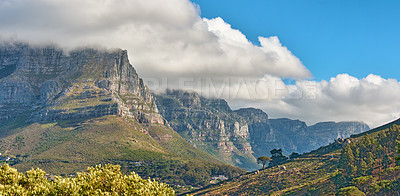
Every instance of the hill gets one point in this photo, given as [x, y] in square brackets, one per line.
[360, 165]
[64, 112]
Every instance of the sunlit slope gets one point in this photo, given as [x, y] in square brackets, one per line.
[363, 163]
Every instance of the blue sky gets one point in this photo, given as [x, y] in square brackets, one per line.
[329, 37]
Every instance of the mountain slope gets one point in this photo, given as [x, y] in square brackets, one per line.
[239, 137]
[364, 164]
[63, 113]
[208, 124]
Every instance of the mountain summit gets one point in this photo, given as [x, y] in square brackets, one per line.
[64, 112]
[86, 83]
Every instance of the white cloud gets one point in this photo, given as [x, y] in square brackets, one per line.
[166, 38]
[372, 99]
[169, 43]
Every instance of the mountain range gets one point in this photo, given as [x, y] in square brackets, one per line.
[65, 111]
[238, 137]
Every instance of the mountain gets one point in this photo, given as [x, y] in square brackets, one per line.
[239, 137]
[364, 164]
[296, 136]
[208, 124]
[63, 112]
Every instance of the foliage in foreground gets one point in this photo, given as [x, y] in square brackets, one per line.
[99, 180]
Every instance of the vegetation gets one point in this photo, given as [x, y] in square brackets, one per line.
[363, 165]
[263, 160]
[92, 115]
[277, 157]
[350, 191]
[398, 151]
[67, 147]
[99, 180]
[294, 155]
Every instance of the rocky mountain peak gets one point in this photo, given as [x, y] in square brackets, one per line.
[50, 84]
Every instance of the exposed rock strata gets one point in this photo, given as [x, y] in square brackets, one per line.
[234, 136]
[51, 85]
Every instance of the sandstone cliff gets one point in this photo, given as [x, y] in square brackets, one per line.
[247, 133]
[209, 124]
[50, 85]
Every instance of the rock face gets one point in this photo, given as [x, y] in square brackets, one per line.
[296, 136]
[46, 84]
[209, 124]
[328, 130]
[247, 133]
[293, 135]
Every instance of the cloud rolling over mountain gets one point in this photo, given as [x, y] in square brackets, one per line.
[171, 46]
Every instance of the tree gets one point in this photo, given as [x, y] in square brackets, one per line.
[294, 155]
[363, 182]
[363, 167]
[351, 190]
[347, 160]
[398, 151]
[263, 160]
[277, 157]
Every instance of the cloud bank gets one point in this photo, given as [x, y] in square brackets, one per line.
[172, 46]
[372, 99]
[162, 37]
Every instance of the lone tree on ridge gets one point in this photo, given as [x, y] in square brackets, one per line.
[263, 160]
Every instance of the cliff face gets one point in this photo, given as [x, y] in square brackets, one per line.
[209, 124]
[246, 133]
[48, 85]
[328, 130]
[293, 135]
[296, 136]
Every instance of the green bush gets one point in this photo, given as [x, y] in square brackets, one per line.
[99, 180]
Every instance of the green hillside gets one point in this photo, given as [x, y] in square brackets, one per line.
[363, 165]
[64, 148]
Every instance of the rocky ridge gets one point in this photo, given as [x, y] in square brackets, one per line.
[50, 85]
[239, 137]
[209, 124]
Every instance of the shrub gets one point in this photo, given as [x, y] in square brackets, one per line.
[99, 180]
